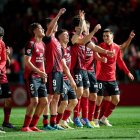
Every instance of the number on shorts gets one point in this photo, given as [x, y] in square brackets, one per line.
[31, 86]
[78, 77]
[100, 85]
[54, 83]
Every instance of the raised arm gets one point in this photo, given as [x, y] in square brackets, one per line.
[53, 23]
[88, 37]
[82, 26]
[126, 44]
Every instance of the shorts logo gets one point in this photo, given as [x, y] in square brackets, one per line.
[117, 89]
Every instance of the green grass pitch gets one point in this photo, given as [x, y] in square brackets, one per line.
[125, 121]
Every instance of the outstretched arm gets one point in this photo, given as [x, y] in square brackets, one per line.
[98, 49]
[126, 44]
[82, 25]
[53, 23]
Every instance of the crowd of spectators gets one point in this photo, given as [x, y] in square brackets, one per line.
[120, 15]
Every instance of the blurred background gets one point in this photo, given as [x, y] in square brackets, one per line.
[120, 15]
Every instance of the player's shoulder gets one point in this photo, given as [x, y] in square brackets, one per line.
[116, 45]
[2, 43]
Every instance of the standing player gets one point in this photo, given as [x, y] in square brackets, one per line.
[107, 99]
[35, 78]
[54, 69]
[4, 86]
[68, 98]
[78, 44]
[106, 77]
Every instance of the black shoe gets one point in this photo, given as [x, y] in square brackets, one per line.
[8, 125]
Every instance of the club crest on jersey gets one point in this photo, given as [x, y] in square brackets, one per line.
[37, 50]
[28, 51]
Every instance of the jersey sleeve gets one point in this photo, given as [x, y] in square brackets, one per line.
[2, 56]
[29, 48]
[121, 63]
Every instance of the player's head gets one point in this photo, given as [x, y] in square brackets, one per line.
[35, 29]
[108, 35]
[1, 31]
[62, 35]
[75, 23]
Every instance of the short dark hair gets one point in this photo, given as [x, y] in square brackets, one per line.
[76, 21]
[45, 22]
[59, 32]
[108, 30]
[32, 27]
[1, 31]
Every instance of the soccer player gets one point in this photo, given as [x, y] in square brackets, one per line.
[35, 78]
[4, 86]
[106, 77]
[68, 98]
[93, 89]
[54, 69]
[79, 45]
[107, 99]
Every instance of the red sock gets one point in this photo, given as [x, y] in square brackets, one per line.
[66, 115]
[91, 109]
[76, 109]
[53, 120]
[97, 112]
[84, 106]
[7, 112]
[45, 120]
[34, 120]
[104, 106]
[110, 109]
[59, 117]
[27, 121]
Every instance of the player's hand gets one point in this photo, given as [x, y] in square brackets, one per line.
[130, 75]
[62, 11]
[44, 80]
[110, 53]
[104, 59]
[73, 84]
[97, 27]
[43, 74]
[82, 14]
[132, 34]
